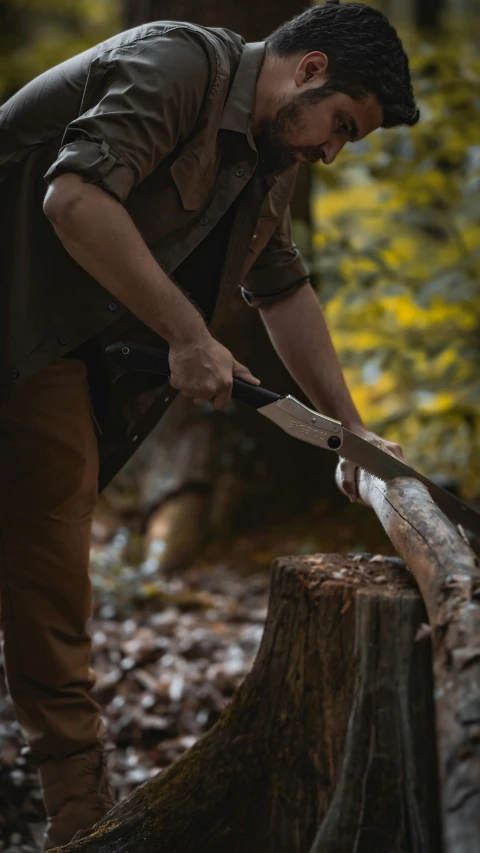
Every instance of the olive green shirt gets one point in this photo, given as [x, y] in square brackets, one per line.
[159, 117]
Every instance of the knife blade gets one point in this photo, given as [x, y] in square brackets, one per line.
[309, 426]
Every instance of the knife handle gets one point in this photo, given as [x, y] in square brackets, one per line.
[137, 358]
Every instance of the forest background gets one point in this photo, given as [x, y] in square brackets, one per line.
[392, 235]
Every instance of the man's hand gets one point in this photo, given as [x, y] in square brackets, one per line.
[204, 369]
[347, 471]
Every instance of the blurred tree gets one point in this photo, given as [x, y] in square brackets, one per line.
[428, 14]
[251, 19]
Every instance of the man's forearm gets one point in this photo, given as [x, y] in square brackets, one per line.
[298, 331]
[100, 235]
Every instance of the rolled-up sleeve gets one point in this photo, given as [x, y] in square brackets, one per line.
[279, 269]
[143, 100]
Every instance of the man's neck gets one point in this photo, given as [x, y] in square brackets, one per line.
[273, 78]
[262, 93]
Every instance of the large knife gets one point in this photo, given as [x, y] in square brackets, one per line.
[308, 425]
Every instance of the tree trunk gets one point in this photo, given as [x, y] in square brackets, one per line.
[428, 14]
[334, 721]
[254, 21]
[447, 573]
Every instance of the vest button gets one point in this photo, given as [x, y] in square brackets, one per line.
[15, 373]
[204, 220]
[112, 306]
[239, 172]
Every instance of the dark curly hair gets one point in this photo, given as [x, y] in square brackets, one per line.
[365, 55]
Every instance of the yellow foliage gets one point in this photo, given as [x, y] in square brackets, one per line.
[438, 403]
[398, 261]
[401, 249]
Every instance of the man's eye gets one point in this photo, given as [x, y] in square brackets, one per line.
[342, 126]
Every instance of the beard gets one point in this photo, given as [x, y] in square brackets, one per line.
[274, 153]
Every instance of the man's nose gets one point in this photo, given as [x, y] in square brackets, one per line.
[332, 149]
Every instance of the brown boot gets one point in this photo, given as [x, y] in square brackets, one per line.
[77, 793]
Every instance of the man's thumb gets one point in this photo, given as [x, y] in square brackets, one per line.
[243, 372]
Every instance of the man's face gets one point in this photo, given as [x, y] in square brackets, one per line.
[313, 125]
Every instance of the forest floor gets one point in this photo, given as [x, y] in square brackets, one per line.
[168, 654]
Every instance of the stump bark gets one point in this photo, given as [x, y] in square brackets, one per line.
[334, 722]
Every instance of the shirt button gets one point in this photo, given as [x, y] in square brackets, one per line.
[255, 237]
[112, 306]
[239, 172]
[204, 220]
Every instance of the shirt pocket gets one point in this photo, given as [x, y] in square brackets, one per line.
[190, 180]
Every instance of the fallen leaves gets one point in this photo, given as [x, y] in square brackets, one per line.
[166, 668]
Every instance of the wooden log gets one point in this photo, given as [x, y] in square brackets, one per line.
[334, 720]
[447, 573]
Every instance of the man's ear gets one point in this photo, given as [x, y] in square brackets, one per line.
[311, 69]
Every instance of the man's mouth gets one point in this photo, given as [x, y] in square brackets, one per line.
[311, 157]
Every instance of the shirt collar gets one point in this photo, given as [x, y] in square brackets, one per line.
[238, 108]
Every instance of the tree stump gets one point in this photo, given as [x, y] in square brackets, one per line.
[333, 724]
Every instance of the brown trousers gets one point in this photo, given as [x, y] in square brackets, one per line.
[48, 489]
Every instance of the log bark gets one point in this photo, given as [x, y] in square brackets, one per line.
[334, 722]
[447, 573]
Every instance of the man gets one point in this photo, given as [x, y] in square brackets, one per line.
[170, 154]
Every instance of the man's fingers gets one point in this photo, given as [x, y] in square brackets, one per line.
[222, 399]
[242, 372]
[348, 479]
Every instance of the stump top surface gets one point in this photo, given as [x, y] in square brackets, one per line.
[386, 574]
